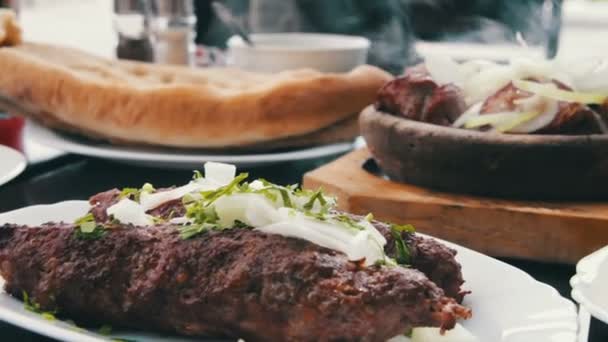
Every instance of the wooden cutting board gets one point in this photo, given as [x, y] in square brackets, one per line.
[544, 231]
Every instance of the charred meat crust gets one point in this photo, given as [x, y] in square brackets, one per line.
[417, 96]
[434, 259]
[233, 283]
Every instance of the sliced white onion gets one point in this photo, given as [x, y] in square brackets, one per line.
[522, 118]
[332, 230]
[153, 200]
[551, 91]
[542, 70]
[180, 220]
[525, 68]
[220, 173]
[216, 176]
[252, 209]
[587, 75]
[470, 68]
[487, 82]
[357, 245]
[304, 231]
[547, 108]
[473, 111]
[262, 213]
[375, 234]
[258, 211]
[359, 248]
[493, 119]
[130, 212]
[443, 69]
[481, 79]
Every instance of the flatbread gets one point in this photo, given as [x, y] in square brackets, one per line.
[142, 103]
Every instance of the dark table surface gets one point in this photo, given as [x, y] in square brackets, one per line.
[69, 177]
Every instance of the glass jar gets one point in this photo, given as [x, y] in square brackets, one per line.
[131, 22]
[173, 27]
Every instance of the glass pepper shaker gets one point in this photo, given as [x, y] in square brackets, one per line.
[173, 29]
[131, 22]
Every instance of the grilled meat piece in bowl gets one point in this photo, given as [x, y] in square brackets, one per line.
[528, 130]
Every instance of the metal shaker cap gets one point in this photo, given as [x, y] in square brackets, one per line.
[174, 8]
[130, 6]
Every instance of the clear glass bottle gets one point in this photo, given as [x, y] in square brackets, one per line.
[173, 27]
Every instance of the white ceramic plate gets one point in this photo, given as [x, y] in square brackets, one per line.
[590, 284]
[508, 305]
[175, 158]
[12, 163]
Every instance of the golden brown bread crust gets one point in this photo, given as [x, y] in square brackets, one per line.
[177, 106]
[342, 131]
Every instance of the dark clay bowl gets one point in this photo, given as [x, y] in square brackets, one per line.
[532, 167]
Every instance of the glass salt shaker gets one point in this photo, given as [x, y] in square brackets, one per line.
[173, 27]
[131, 22]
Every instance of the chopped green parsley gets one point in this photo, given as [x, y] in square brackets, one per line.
[316, 196]
[131, 193]
[197, 175]
[192, 230]
[270, 190]
[31, 306]
[211, 196]
[403, 251]
[201, 215]
[199, 212]
[88, 229]
[134, 193]
[348, 221]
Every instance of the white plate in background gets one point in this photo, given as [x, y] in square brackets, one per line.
[590, 284]
[508, 305]
[168, 158]
[590, 289]
[12, 163]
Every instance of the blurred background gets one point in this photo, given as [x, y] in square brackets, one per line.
[400, 30]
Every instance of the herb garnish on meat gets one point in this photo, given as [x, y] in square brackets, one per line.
[403, 252]
[134, 193]
[217, 201]
[29, 305]
[88, 228]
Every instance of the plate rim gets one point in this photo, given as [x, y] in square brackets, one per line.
[52, 330]
[17, 169]
[577, 282]
[552, 295]
[57, 140]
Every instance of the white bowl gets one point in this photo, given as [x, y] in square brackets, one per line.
[274, 52]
